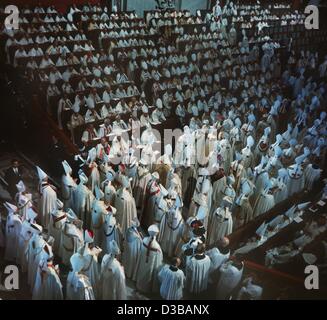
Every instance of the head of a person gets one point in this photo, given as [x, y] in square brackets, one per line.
[104, 141]
[176, 262]
[15, 163]
[201, 248]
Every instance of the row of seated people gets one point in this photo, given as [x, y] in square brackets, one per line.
[48, 33]
[112, 25]
[54, 50]
[134, 41]
[82, 85]
[98, 107]
[93, 97]
[280, 227]
[44, 61]
[291, 240]
[150, 14]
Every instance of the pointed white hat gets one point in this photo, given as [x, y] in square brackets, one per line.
[76, 108]
[21, 186]
[92, 155]
[110, 175]
[238, 123]
[90, 103]
[125, 182]
[267, 131]
[303, 205]
[113, 247]
[10, 207]
[159, 103]
[205, 186]
[67, 168]
[230, 180]
[36, 228]
[71, 215]
[60, 204]
[88, 236]
[300, 159]
[155, 175]
[228, 200]
[42, 175]
[83, 178]
[135, 222]
[262, 229]
[98, 193]
[309, 258]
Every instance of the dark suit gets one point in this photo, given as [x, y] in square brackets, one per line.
[12, 179]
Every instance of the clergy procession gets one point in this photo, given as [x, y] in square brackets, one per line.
[139, 213]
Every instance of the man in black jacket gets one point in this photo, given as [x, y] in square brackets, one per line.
[12, 176]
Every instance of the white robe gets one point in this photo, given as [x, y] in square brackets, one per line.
[197, 274]
[22, 205]
[109, 193]
[249, 291]
[78, 287]
[99, 211]
[131, 253]
[171, 227]
[126, 209]
[217, 260]
[83, 199]
[311, 175]
[13, 230]
[91, 266]
[264, 203]
[217, 187]
[230, 277]
[281, 193]
[24, 237]
[112, 281]
[111, 231]
[172, 283]
[94, 178]
[48, 203]
[71, 241]
[139, 191]
[47, 283]
[152, 198]
[259, 184]
[68, 186]
[150, 262]
[34, 253]
[221, 225]
[56, 225]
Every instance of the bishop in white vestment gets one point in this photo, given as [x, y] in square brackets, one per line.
[112, 280]
[150, 262]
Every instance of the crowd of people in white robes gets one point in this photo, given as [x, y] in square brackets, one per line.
[246, 145]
